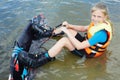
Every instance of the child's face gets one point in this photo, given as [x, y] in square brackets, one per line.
[98, 17]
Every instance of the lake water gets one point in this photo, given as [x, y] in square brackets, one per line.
[14, 16]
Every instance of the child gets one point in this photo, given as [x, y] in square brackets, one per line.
[99, 35]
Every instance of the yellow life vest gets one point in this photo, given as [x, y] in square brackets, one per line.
[99, 48]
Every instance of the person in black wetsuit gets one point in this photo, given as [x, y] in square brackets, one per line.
[21, 59]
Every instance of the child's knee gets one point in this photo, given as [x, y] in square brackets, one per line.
[65, 39]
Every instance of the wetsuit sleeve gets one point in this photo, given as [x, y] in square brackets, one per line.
[100, 36]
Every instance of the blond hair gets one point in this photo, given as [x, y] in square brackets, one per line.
[103, 8]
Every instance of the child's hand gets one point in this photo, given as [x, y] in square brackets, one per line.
[65, 24]
[64, 29]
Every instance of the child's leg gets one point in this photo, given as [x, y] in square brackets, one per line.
[63, 42]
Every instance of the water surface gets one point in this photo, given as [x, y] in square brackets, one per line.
[14, 16]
